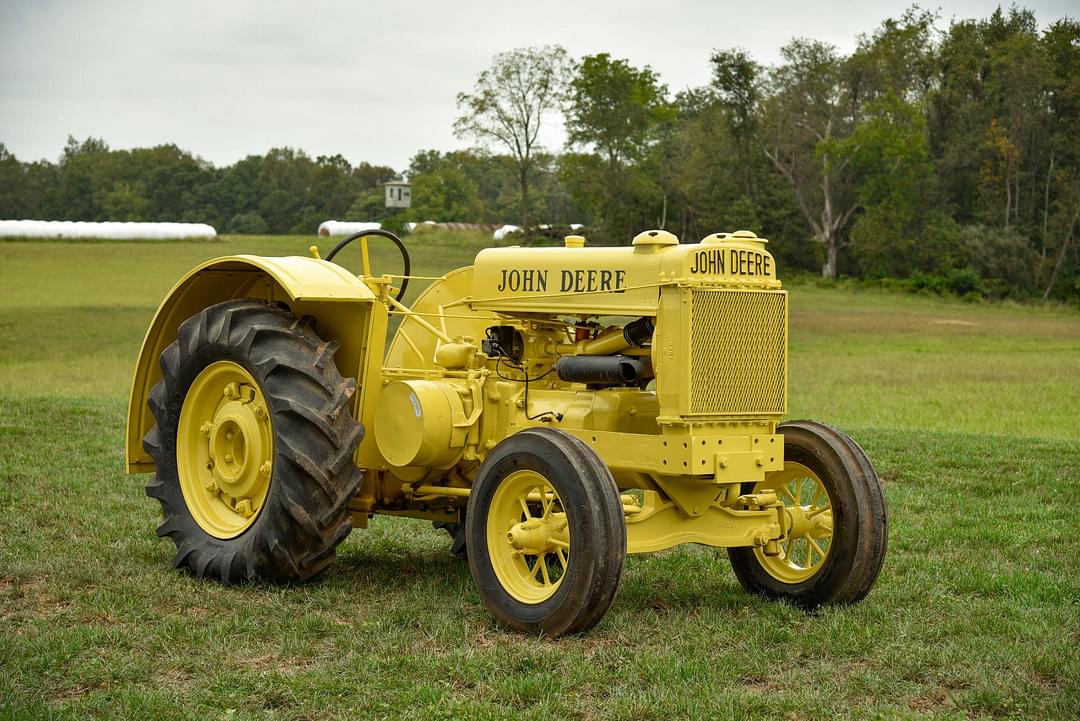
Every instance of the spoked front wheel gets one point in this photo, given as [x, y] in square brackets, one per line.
[836, 522]
[546, 533]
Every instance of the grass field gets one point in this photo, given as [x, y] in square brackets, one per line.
[970, 412]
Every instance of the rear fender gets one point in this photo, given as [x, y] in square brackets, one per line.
[343, 306]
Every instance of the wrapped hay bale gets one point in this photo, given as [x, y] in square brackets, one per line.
[110, 230]
[331, 228]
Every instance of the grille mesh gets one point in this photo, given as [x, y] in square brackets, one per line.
[738, 353]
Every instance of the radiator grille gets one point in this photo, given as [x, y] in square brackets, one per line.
[738, 353]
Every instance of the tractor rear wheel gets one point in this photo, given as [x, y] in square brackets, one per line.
[836, 519]
[253, 445]
[546, 534]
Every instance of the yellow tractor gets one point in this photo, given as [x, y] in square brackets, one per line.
[553, 408]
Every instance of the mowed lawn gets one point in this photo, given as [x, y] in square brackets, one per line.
[970, 412]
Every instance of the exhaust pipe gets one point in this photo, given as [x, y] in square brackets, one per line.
[603, 370]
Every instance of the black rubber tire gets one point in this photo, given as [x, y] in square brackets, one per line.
[597, 531]
[305, 514]
[860, 521]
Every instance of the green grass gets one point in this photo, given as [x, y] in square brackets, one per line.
[968, 410]
[908, 362]
[73, 315]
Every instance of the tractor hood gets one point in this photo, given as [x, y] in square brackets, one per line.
[616, 281]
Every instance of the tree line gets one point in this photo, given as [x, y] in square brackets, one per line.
[937, 156]
[283, 191]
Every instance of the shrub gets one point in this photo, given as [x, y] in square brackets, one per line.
[963, 281]
[1001, 254]
[956, 281]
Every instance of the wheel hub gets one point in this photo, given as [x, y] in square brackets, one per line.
[234, 443]
[809, 517]
[528, 537]
[224, 449]
[806, 520]
[539, 536]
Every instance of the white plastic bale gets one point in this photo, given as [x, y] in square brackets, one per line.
[82, 230]
[501, 233]
[330, 228]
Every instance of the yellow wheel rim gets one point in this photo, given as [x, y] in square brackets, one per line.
[224, 449]
[809, 522]
[528, 537]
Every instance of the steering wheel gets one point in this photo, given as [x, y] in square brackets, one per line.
[363, 235]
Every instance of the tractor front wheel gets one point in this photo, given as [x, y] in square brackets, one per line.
[546, 533]
[835, 518]
[253, 445]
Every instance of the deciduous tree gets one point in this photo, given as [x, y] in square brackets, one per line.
[509, 104]
[807, 113]
[617, 111]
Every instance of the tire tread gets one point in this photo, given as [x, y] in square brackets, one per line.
[306, 514]
[852, 568]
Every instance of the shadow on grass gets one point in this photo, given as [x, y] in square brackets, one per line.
[395, 568]
[676, 581]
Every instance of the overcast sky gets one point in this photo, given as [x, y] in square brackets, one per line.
[373, 81]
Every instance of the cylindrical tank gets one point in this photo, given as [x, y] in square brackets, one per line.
[415, 423]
